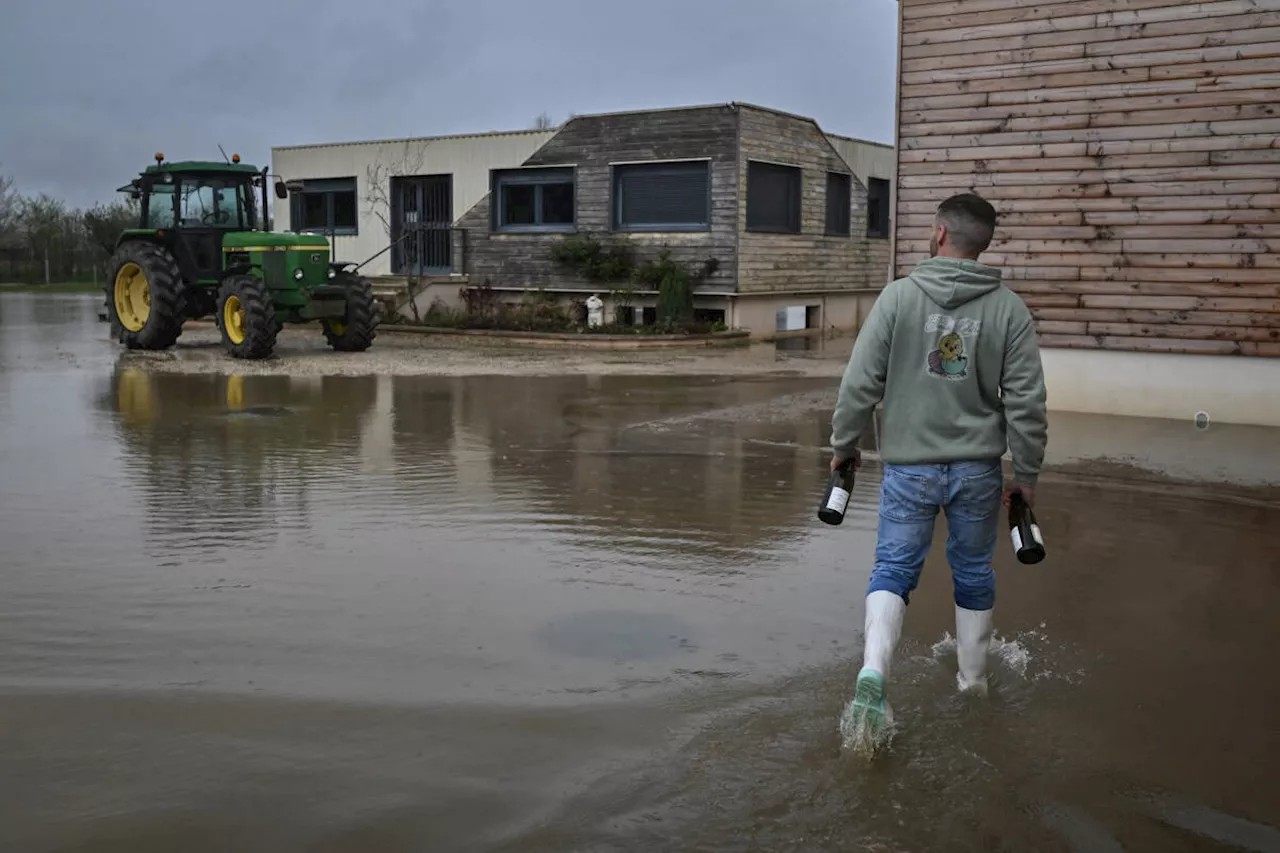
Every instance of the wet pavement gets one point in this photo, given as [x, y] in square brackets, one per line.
[502, 609]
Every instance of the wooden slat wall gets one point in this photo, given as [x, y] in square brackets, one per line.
[1132, 148]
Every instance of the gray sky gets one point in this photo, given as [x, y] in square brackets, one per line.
[89, 89]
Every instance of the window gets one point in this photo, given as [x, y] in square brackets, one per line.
[838, 204]
[215, 203]
[773, 198]
[662, 197]
[160, 206]
[877, 207]
[533, 200]
[709, 316]
[328, 206]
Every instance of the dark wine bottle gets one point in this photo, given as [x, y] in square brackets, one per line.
[836, 499]
[1028, 542]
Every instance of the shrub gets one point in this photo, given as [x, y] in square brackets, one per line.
[480, 306]
[592, 260]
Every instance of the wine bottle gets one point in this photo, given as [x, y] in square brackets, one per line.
[1028, 542]
[836, 499]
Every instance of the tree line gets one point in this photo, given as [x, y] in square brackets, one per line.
[42, 239]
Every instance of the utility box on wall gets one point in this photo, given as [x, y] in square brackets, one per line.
[792, 318]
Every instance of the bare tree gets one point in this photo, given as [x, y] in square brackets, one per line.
[377, 184]
[544, 122]
[44, 220]
[9, 211]
[104, 222]
[411, 160]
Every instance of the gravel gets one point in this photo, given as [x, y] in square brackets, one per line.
[302, 352]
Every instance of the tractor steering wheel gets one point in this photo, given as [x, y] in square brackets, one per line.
[215, 217]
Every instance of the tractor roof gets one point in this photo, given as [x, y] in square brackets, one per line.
[204, 166]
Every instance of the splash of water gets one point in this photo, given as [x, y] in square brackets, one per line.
[859, 738]
[1016, 655]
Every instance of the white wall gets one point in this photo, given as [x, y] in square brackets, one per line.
[1231, 389]
[468, 158]
[867, 159]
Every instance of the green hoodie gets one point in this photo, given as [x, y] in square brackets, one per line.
[952, 353]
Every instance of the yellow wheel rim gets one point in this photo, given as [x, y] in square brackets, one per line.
[133, 397]
[132, 297]
[337, 327]
[235, 393]
[233, 319]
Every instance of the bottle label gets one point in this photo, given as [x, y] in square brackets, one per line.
[1035, 534]
[838, 501]
[1017, 539]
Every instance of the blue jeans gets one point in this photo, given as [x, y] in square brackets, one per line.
[910, 496]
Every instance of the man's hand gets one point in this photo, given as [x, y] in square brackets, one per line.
[1028, 494]
[838, 460]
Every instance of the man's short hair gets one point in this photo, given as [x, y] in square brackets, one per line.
[970, 220]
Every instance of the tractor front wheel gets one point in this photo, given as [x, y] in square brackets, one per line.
[246, 317]
[359, 326]
[145, 297]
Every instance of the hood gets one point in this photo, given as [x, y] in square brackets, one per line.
[952, 282]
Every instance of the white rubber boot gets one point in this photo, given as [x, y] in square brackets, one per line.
[883, 627]
[973, 639]
[869, 713]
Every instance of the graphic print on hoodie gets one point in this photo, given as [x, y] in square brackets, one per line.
[954, 338]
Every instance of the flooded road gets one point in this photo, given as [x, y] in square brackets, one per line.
[590, 612]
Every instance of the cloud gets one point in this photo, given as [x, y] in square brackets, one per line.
[89, 89]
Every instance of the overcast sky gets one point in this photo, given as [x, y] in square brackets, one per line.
[90, 89]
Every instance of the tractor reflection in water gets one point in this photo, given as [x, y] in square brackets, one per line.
[264, 430]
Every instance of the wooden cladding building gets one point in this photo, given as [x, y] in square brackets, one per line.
[1132, 149]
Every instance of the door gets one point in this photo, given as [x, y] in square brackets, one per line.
[422, 225]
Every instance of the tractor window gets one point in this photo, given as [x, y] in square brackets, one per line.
[246, 201]
[160, 207]
[213, 204]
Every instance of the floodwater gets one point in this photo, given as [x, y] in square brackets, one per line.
[589, 612]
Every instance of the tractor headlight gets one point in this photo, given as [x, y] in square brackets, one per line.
[298, 274]
[332, 274]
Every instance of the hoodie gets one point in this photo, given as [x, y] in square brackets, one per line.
[952, 353]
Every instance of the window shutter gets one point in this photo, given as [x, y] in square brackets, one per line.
[669, 194]
[773, 198]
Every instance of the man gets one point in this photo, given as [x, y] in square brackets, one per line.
[953, 355]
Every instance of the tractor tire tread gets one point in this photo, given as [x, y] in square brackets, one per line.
[167, 291]
[361, 320]
[260, 327]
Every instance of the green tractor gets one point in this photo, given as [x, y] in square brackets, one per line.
[202, 248]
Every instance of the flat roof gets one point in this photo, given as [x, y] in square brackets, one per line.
[494, 134]
[486, 135]
[860, 141]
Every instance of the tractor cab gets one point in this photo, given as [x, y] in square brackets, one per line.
[200, 202]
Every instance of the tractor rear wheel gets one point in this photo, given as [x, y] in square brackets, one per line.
[145, 296]
[246, 317]
[359, 326]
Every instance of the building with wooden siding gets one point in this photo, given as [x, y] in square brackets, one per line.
[765, 195]
[1130, 147]
[796, 221]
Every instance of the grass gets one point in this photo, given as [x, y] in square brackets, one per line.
[56, 287]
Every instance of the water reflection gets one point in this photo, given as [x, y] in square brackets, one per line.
[230, 457]
[703, 468]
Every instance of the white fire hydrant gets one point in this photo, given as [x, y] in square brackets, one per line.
[595, 311]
